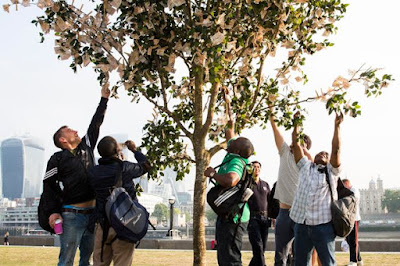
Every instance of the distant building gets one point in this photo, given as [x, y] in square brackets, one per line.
[371, 198]
[1, 180]
[19, 213]
[22, 167]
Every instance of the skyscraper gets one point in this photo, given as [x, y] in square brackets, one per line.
[22, 167]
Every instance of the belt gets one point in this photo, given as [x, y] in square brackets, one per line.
[88, 211]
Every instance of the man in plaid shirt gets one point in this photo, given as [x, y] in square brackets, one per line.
[311, 209]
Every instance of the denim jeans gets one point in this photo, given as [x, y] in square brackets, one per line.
[322, 237]
[228, 248]
[75, 234]
[284, 235]
[258, 235]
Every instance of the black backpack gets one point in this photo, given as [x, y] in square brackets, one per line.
[225, 201]
[46, 204]
[273, 204]
[343, 210]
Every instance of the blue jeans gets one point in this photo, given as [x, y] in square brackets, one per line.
[75, 234]
[322, 237]
[228, 247]
[258, 235]
[284, 234]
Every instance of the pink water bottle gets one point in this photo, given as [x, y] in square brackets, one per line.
[58, 227]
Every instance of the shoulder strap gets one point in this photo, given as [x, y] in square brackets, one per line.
[216, 167]
[327, 181]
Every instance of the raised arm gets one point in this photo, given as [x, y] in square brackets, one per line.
[296, 147]
[229, 130]
[94, 128]
[336, 142]
[277, 134]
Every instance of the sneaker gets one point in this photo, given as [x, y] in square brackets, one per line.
[360, 263]
[352, 264]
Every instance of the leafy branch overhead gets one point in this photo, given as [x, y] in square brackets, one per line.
[221, 44]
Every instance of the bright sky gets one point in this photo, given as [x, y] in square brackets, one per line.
[40, 93]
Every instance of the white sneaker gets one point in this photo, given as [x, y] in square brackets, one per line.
[360, 263]
[352, 264]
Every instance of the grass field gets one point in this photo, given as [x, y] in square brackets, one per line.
[23, 256]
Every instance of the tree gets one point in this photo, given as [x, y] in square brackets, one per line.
[222, 48]
[391, 200]
[160, 212]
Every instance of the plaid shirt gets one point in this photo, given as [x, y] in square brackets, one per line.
[312, 203]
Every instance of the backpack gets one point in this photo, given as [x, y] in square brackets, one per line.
[126, 216]
[343, 210]
[273, 204]
[46, 200]
[43, 211]
[225, 201]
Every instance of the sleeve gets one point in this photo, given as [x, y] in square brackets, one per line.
[236, 165]
[284, 149]
[304, 162]
[51, 189]
[335, 172]
[92, 133]
[136, 169]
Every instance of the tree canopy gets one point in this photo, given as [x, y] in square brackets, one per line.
[391, 200]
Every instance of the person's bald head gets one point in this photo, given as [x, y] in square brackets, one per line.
[241, 146]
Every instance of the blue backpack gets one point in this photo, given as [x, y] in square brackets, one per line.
[126, 216]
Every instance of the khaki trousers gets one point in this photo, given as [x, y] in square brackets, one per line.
[119, 251]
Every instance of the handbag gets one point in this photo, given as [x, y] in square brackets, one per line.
[343, 209]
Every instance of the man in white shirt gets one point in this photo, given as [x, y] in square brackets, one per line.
[311, 206]
[285, 191]
[352, 238]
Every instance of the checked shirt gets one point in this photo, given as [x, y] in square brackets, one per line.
[312, 203]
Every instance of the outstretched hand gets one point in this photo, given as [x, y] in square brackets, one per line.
[338, 119]
[130, 145]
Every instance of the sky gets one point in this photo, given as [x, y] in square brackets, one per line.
[40, 93]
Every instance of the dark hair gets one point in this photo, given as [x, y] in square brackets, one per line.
[253, 162]
[107, 147]
[245, 146]
[308, 141]
[57, 136]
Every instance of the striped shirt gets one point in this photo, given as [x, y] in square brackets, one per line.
[312, 203]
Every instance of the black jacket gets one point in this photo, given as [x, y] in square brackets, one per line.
[104, 176]
[66, 180]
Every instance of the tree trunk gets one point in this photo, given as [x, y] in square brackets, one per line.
[199, 242]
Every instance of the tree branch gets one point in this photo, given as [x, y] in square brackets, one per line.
[211, 106]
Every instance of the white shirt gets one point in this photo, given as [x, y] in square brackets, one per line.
[312, 203]
[288, 176]
[357, 196]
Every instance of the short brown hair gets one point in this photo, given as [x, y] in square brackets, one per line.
[57, 136]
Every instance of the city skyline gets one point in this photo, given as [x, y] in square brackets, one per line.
[41, 93]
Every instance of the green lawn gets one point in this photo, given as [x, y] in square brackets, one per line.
[21, 256]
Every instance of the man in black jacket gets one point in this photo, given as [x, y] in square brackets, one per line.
[259, 221]
[103, 177]
[66, 188]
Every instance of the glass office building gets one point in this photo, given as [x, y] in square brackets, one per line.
[22, 167]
